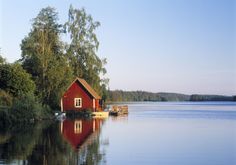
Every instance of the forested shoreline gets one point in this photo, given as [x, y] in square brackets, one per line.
[31, 87]
[120, 95]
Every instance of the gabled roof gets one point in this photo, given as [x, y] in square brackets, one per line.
[87, 87]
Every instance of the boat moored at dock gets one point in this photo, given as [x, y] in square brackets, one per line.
[119, 110]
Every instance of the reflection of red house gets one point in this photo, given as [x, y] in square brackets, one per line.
[80, 95]
[77, 132]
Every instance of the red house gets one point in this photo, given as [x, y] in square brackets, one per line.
[80, 95]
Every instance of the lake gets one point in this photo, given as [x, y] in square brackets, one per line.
[163, 133]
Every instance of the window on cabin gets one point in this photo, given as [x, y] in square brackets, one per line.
[78, 102]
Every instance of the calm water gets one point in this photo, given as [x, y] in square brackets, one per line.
[152, 133]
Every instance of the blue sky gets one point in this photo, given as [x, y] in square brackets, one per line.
[185, 46]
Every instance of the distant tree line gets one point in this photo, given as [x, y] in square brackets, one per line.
[119, 95]
[49, 64]
[212, 98]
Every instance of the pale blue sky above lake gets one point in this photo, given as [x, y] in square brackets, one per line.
[186, 46]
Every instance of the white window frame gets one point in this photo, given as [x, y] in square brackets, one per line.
[78, 106]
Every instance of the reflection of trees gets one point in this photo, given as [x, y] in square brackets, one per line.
[4, 138]
[86, 142]
[51, 149]
[89, 152]
[43, 144]
[21, 142]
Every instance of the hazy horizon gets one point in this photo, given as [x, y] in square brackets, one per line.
[158, 45]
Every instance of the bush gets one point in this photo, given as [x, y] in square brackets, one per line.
[27, 108]
[15, 80]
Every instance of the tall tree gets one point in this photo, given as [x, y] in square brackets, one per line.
[83, 46]
[42, 56]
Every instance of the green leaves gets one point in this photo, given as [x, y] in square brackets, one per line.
[42, 56]
[15, 80]
[83, 46]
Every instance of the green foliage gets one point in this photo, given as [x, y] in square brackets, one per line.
[26, 108]
[59, 77]
[42, 56]
[5, 119]
[15, 80]
[5, 98]
[82, 49]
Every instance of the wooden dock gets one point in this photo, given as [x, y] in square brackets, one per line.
[119, 110]
[101, 114]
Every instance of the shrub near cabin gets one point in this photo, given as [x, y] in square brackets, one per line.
[79, 96]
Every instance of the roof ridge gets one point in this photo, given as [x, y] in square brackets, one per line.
[88, 88]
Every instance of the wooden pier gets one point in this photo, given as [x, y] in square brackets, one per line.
[119, 110]
[101, 114]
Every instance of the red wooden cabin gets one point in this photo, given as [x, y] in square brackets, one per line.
[80, 95]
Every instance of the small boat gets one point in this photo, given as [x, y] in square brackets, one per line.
[60, 116]
[119, 110]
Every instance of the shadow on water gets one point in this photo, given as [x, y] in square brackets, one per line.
[69, 142]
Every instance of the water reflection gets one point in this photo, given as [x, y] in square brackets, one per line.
[79, 131]
[69, 142]
[151, 134]
[18, 142]
[83, 136]
[121, 118]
